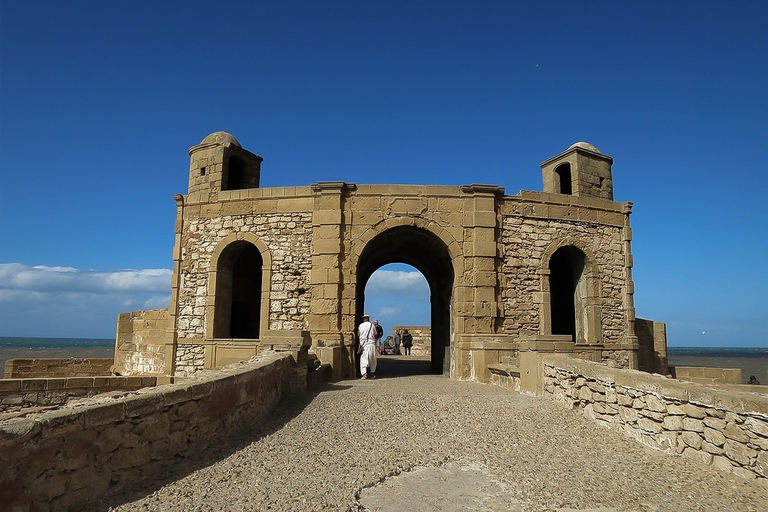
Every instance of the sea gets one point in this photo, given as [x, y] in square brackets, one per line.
[35, 348]
[752, 361]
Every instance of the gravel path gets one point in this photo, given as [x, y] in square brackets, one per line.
[425, 442]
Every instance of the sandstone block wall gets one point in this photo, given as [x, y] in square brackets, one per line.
[141, 342]
[652, 350]
[422, 338]
[57, 367]
[59, 460]
[704, 375]
[725, 427]
[16, 394]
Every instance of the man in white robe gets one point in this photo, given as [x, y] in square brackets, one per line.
[366, 333]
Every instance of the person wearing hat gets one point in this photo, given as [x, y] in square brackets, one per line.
[366, 333]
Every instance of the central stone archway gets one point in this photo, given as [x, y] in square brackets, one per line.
[426, 252]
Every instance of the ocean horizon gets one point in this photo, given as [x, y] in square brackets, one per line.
[46, 342]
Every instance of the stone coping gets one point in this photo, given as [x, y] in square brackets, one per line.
[739, 398]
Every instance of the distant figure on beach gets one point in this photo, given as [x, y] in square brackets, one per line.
[397, 339]
[753, 380]
[407, 342]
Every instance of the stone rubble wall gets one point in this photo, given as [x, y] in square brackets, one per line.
[16, 394]
[58, 460]
[288, 237]
[725, 426]
[525, 241]
[57, 367]
[189, 359]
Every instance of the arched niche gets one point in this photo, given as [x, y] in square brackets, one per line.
[570, 293]
[239, 285]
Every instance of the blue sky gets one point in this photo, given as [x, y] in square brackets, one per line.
[100, 101]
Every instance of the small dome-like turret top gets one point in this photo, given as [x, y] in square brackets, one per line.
[585, 145]
[221, 138]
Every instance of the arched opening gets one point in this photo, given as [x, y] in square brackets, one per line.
[397, 295]
[567, 292]
[235, 178]
[425, 252]
[563, 172]
[238, 292]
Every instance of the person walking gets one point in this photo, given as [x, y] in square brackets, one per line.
[366, 334]
[407, 342]
[379, 336]
[397, 339]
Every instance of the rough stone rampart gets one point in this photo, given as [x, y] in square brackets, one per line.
[59, 460]
[16, 394]
[57, 367]
[726, 426]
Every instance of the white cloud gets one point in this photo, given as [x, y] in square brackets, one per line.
[69, 302]
[396, 281]
[22, 278]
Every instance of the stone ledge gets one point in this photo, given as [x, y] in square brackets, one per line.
[507, 370]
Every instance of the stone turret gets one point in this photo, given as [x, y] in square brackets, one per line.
[581, 171]
[219, 163]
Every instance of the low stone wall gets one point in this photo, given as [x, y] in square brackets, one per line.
[704, 375]
[726, 426]
[57, 367]
[59, 460]
[16, 394]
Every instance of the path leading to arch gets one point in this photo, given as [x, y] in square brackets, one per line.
[426, 443]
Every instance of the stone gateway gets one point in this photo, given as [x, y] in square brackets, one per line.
[511, 277]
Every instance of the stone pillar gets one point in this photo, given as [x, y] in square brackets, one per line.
[479, 311]
[631, 342]
[173, 308]
[326, 278]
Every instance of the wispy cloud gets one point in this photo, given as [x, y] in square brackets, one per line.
[398, 297]
[70, 302]
[396, 281]
[21, 278]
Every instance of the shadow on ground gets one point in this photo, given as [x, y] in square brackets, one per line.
[159, 474]
[162, 473]
[388, 367]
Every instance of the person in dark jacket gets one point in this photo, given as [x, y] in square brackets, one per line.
[407, 342]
